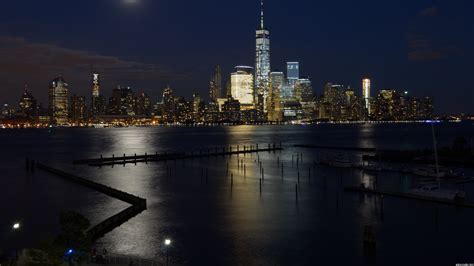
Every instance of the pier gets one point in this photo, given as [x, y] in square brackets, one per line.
[409, 196]
[202, 153]
[99, 230]
[323, 147]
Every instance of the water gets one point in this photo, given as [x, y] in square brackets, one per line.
[216, 224]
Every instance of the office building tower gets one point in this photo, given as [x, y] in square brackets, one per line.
[216, 84]
[122, 101]
[242, 85]
[366, 93]
[143, 105]
[304, 90]
[27, 104]
[58, 101]
[78, 109]
[292, 72]
[198, 107]
[274, 110]
[97, 100]
[169, 106]
[262, 64]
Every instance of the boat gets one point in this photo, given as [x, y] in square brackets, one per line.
[434, 191]
[429, 171]
[337, 161]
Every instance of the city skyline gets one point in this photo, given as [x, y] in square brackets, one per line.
[137, 74]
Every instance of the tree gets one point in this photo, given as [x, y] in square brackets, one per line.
[72, 238]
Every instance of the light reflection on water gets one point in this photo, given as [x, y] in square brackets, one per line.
[215, 223]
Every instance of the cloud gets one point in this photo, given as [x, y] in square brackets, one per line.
[22, 61]
[429, 12]
[422, 48]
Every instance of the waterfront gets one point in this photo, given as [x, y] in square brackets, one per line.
[215, 223]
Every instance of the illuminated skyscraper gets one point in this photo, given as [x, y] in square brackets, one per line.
[366, 93]
[216, 84]
[304, 90]
[262, 64]
[292, 72]
[97, 100]
[95, 85]
[58, 101]
[169, 105]
[242, 85]
[274, 109]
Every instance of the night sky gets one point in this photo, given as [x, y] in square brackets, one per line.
[425, 47]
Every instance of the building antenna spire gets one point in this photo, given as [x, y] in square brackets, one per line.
[261, 15]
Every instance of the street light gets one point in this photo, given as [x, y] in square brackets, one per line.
[16, 226]
[167, 243]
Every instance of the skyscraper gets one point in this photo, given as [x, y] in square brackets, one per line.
[27, 104]
[58, 101]
[303, 90]
[122, 101]
[97, 102]
[292, 72]
[274, 110]
[216, 84]
[242, 85]
[77, 109]
[95, 85]
[366, 93]
[262, 64]
[169, 105]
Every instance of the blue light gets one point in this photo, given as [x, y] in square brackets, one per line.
[70, 251]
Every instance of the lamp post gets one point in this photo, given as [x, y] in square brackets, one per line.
[167, 243]
[16, 227]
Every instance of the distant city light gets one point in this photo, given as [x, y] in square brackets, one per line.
[167, 242]
[16, 226]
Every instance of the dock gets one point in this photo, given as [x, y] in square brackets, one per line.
[342, 148]
[202, 153]
[137, 204]
[409, 196]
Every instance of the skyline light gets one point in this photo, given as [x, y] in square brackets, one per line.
[317, 65]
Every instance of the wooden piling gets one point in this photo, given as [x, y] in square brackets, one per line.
[296, 192]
